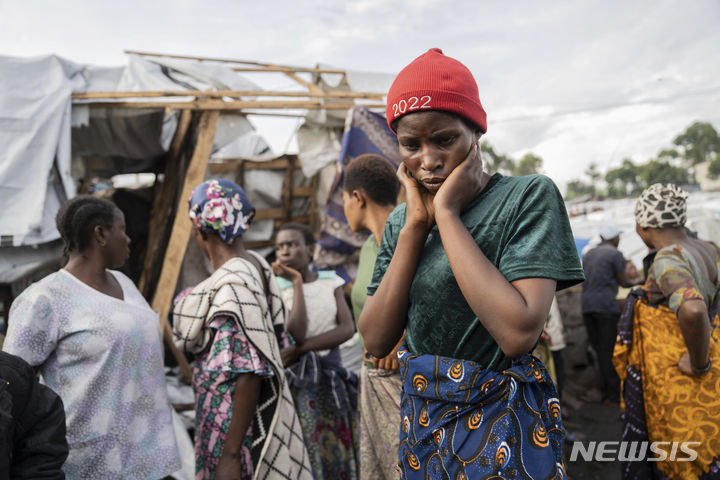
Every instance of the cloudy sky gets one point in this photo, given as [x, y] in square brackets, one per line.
[574, 82]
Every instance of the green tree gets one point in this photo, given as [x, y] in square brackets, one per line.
[714, 168]
[658, 171]
[668, 154]
[578, 188]
[496, 162]
[594, 174]
[624, 180]
[699, 143]
[528, 164]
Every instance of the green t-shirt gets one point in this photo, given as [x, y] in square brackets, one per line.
[522, 227]
[366, 262]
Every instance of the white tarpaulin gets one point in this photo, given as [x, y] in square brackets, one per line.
[35, 138]
[703, 218]
[36, 116]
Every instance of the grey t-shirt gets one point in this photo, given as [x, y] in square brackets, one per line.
[601, 266]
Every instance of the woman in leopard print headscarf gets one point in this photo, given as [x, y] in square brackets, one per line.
[667, 341]
[661, 206]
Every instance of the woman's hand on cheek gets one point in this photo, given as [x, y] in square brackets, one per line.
[463, 184]
[282, 270]
[420, 209]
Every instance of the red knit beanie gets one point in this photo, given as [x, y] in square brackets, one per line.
[434, 81]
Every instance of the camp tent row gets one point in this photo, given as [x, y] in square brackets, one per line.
[180, 118]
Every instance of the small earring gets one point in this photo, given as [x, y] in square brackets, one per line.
[102, 243]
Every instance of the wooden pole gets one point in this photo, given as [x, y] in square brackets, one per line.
[163, 203]
[280, 68]
[180, 233]
[186, 57]
[236, 105]
[227, 93]
[266, 67]
[287, 191]
[269, 114]
[309, 85]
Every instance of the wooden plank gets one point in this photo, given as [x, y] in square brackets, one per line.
[180, 233]
[279, 68]
[314, 221]
[187, 57]
[270, 213]
[309, 85]
[266, 67]
[162, 203]
[270, 114]
[287, 191]
[214, 168]
[181, 130]
[301, 219]
[303, 191]
[225, 93]
[231, 164]
[240, 175]
[275, 164]
[236, 105]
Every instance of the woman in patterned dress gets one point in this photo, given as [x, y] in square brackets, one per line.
[325, 392]
[97, 343]
[234, 322]
[667, 343]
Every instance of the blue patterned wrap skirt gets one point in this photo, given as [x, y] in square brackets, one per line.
[461, 421]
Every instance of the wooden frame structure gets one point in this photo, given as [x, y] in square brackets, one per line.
[186, 162]
[283, 214]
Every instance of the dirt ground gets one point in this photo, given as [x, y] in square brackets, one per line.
[585, 417]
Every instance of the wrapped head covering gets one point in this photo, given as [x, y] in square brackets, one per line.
[221, 207]
[434, 81]
[662, 205]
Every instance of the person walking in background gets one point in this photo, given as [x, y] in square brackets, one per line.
[467, 268]
[97, 343]
[370, 191]
[234, 322]
[325, 392]
[667, 352]
[604, 268]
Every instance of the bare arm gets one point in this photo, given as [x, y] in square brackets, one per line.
[332, 338]
[626, 282]
[297, 321]
[245, 398]
[513, 313]
[384, 315]
[695, 327]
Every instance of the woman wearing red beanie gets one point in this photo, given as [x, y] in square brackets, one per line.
[468, 268]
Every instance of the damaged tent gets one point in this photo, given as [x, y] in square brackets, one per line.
[176, 120]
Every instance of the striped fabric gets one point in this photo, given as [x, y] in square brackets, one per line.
[236, 290]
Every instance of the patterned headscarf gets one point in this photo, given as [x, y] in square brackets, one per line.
[221, 207]
[662, 205]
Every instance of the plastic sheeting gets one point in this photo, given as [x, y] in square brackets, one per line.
[35, 145]
[40, 125]
[319, 138]
[703, 217]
